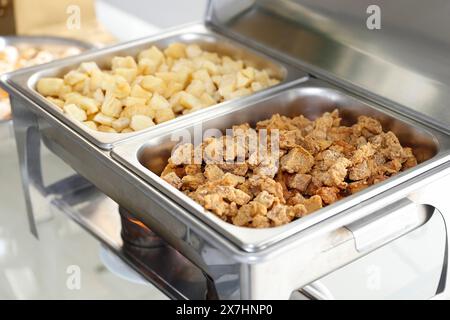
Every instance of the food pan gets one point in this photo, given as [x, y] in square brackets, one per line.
[311, 98]
[41, 41]
[197, 33]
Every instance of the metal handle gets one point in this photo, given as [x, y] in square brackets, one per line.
[387, 224]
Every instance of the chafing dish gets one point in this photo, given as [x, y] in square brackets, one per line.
[238, 262]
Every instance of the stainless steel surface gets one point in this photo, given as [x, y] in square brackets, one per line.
[197, 33]
[405, 61]
[160, 265]
[311, 98]
[298, 255]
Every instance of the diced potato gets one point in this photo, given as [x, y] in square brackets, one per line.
[193, 51]
[74, 77]
[107, 129]
[262, 77]
[99, 96]
[140, 122]
[189, 101]
[120, 124]
[207, 100]
[172, 88]
[148, 66]
[240, 93]
[50, 86]
[127, 130]
[90, 124]
[97, 79]
[159, 102]
[111, 106]
[153, 84]
[227, 85]
[256, 86]
[138, 92]
[131, 101]
[129, 74]
[75, 112]
[88, 67]
[122, 88]
[88, 104]
[196, 88]
[65, 90]
[103, 119]
[241, 80]
[164, 114]
[123, 62]
[129, 112]
[153, 54]
[249, 72]
[56, 102]
[176, 50]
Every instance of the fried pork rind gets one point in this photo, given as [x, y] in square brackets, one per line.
[318, 163]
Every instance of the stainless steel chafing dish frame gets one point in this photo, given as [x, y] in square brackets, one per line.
[259, 109]
[39, 41]
[194, 33]
[275, 270]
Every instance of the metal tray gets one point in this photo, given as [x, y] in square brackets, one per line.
[196, 33]
[39, 41]
[311, 99]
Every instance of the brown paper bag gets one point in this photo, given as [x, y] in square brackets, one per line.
[67, 18]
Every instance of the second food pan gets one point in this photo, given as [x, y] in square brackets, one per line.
[193, 34]
[310, 99]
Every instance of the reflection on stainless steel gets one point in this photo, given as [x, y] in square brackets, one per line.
[310, 99]
[237, 262]
[207, 39]
[406, 61]
[161, 265]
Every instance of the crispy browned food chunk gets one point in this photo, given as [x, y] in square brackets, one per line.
[244, 179]
[173, 179]
[299, 181]
[297, 160]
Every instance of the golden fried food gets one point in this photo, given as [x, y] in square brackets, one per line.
[318, 162]
[136, 93]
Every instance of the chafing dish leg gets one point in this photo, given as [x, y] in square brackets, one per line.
[28, 145]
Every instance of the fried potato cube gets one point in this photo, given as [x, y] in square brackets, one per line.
[256, 86]
[249, 73]
[120, 124]
[137, 109]
[75, 112]
[123, 62]
[153, 54]
[97, 79]
[98, 96]
[164, 114]
[189, 101]
[227, 85]
[138, 92]
[153, 84]
[111, 106]
[131, 101]
[88, 67]
[193, 51]
[121, 87]
[207, 100]
[148, 66]
[50, 86]
[88, 104]
[140, 122]
[241, 80]
[103, 119]
[106, 129]
[90, 124]
[176, 50]
[196, 88]
[127, 130]
[56, 102]
[74, 77]
[159, 102]
[128, 74]
[172, 88]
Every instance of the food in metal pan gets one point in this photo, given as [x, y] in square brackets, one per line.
[156, 86]
[13, 57]
[313, 163]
